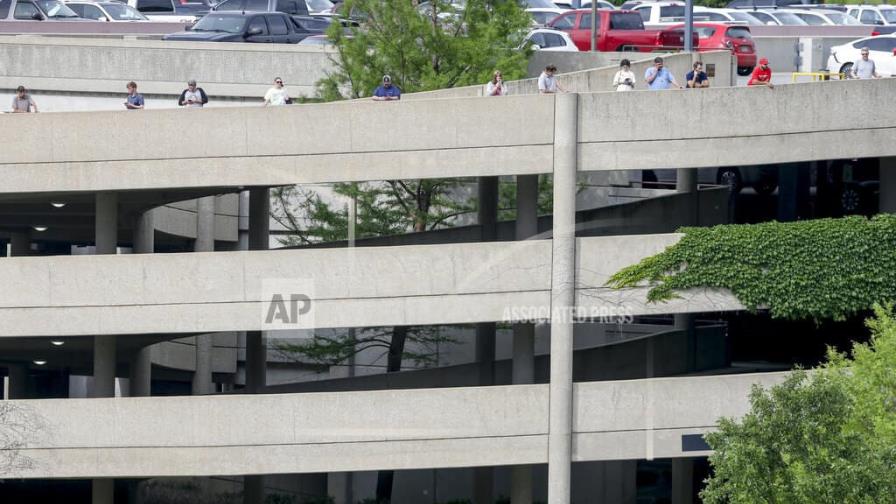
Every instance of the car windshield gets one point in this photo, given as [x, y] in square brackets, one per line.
[703, 32]
[889, 15]
[786, 18]
[319, 5]
[221, 23]
[745, 18]
[122, 12]
[765, 18]
[56, 9]
[842, 19]
[540, 4]
[738, 33]
[543, 17]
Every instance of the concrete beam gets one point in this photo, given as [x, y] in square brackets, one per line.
[349, 431]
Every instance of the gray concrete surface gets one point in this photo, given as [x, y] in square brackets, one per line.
[425, 428]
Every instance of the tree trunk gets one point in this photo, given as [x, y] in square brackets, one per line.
[396, 350]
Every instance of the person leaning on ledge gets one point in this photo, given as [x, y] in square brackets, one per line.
[22, 102]
[387, 91]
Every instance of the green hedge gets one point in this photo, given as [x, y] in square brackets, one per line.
[819, 269]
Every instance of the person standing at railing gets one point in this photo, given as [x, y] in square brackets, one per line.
[762, 75]
[659, 77]
[697, 78]
[547, 83]
[387, 91]
[134, 101]
[864, 68]
[496, 86]
[624, 80]
[22, 101]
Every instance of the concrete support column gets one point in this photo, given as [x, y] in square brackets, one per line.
[205, 242]
[686, 183]
[253, 489]
[20, 244]
[104, 366]
[259, 239]
[888, 185]
[103, 491]
[793, 191]
[687, 322]
[682, 481]
[523, 370]
[339, 485]
[563, 292]
[106, 220]
[18, 381]
[141, 366]
[483, 477]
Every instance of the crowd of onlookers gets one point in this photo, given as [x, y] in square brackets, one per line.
[656, 77]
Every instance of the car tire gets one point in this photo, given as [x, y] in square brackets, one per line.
[852, 201]
[765, 187]
[744, 71]
[846, 69]
[730, 177]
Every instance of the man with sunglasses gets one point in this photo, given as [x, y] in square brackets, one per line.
[277, 95]
[864, 68]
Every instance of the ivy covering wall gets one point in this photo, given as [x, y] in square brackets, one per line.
[819, 269]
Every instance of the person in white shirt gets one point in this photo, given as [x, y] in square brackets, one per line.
[496, 86]
[624, 80]
[547, 83]
[277, 95]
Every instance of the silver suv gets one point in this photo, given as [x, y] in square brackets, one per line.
[37, 10]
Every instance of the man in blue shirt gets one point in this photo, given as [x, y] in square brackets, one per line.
[135, 99]
[659, 77]
[387, 92]
[697, 77]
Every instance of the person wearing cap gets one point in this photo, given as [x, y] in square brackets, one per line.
[22, 101]
[387, 91]
[659, 77]
[762, 75]
[277, 94]
[547, 83]
[864, 68]
[193, 96]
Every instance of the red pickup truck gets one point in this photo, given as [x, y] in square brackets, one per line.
[617, 31]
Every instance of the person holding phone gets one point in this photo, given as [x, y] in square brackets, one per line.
[496, 86]
[192, 97]
[134, 100]
[624, 80]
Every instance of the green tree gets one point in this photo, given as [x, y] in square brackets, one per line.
[826, 436]
[425, 51]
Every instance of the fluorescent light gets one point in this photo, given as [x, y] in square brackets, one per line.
[57, 204]
[39, 228]
[57, 343]
[40, 362]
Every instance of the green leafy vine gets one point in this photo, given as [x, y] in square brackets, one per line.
[818, 269]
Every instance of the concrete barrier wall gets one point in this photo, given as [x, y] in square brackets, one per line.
[444, 138]
[81, 65]
[360, 431]
[364, 287]
[797, 54]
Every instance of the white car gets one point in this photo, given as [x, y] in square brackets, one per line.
[113, 12]
[725, 16]
[783, 18]
[172, 11]
[545, 39]
[881, 15]
[541, 16]
[601, 4]
[819, 17]
[661, 13]
[880, 49]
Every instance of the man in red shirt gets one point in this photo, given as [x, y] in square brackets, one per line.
[762, 75]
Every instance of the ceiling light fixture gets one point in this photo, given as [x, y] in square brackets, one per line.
[57, 343]
[40, 362]
[57, 204]
[39, 228]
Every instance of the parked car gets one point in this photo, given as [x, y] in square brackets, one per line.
[601, 4]
[617, 31]
[319, 7]
[37, 10]
[881, 49]
[258, 27]
[541, 17]
[770, 4]
[544, 39]
[725, 15]
[783, 18]
[539, 4]
[113, 12]
[298, 9]
[819, 17]
[661, 13]
[735, 38]
[765, 17]
[763, 179]
[172, 11]
[881, 15]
